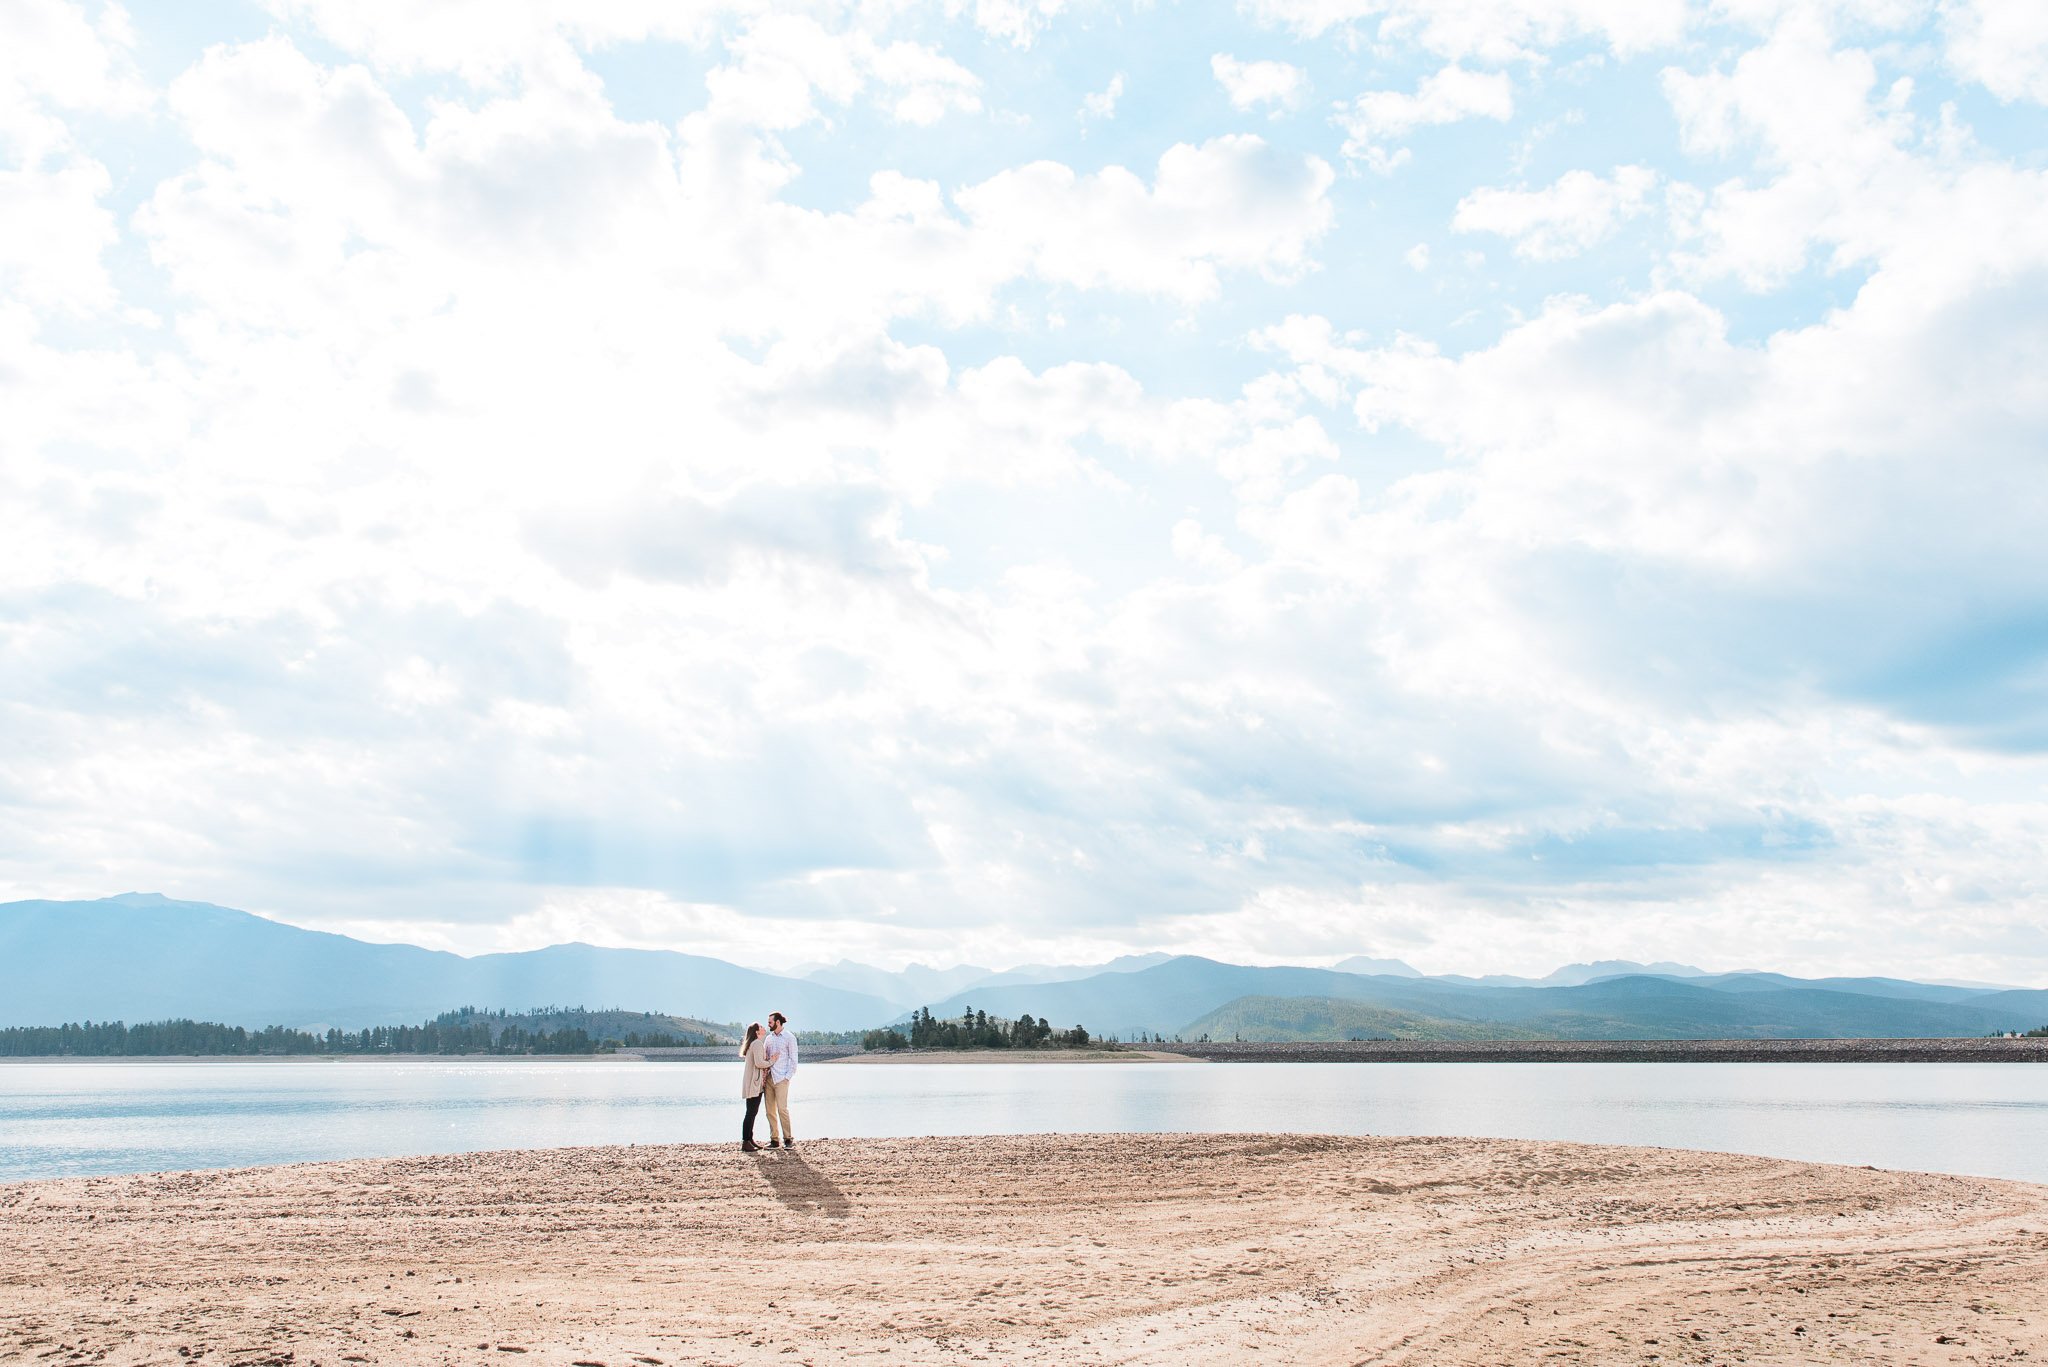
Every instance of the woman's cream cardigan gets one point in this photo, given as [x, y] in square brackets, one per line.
[756, 1055]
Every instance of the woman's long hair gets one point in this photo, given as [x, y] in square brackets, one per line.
[753, 1033]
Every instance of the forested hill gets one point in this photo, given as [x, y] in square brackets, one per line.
[629, 1028]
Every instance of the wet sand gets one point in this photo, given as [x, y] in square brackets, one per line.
[1037, 1249]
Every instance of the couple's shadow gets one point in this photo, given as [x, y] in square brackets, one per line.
[800, 1186]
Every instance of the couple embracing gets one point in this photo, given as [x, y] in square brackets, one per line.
[768, 1061]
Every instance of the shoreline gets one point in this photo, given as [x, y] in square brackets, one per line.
[1017, 1056]
[619, 1056]
[1031, 1250]
[1937, 1050]
[1934, 1050]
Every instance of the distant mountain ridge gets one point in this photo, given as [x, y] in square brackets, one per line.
[1265, 1019]
[912, 985]
[915, 984]
[1578, 975]
[141, 957]
[1179, 998]
[1361, 963]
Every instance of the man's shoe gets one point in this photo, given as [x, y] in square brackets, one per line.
[789, 1143]
[775, 1143]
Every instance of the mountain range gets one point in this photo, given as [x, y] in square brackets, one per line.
[1180, 997]
[915, 984]
[141, 956]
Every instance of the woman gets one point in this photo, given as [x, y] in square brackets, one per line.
[754, 1063]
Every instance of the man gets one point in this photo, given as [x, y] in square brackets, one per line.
[781, 1068]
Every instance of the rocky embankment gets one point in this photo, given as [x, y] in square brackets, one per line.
[1628, 1051]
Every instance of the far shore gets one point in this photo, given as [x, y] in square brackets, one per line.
[1940, 1050]
[1016, 1056]
[1943, 1050]
[621, 1056]
[1030, 1249]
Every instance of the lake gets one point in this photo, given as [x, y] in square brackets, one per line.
[88, 1117]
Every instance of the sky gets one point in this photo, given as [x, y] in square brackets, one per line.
[1482, 482]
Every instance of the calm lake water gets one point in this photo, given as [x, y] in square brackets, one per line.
[61, 1119]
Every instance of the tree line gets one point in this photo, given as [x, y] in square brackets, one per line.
[464, 1032]
[612, 1025]
[976, 1030]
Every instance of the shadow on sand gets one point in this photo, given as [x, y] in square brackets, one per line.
[802, 1187]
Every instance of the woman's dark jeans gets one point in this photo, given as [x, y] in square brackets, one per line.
[747, 1126]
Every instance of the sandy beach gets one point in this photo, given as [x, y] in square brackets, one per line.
[1048, 1249]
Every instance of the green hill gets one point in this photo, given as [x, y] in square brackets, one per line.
[1333, 1018]
[622, 1027]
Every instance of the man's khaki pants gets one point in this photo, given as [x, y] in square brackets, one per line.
[775, 1101]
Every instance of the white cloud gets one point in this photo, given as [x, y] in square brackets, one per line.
[60, 58]
[56, 232]
[1491, 30]
[1741, 519]
[1838, 160]
[1102, 103]
[485, 40]
[1250, 84]
[1020, 21]
[1230, 203]
[1378, 118]
[783, 65]
[60, 62]
[1417, 257]
[619, 196]
[923, 84]
[2001, 43]
[1562, 219]
[561, 504]
[1205, 549]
